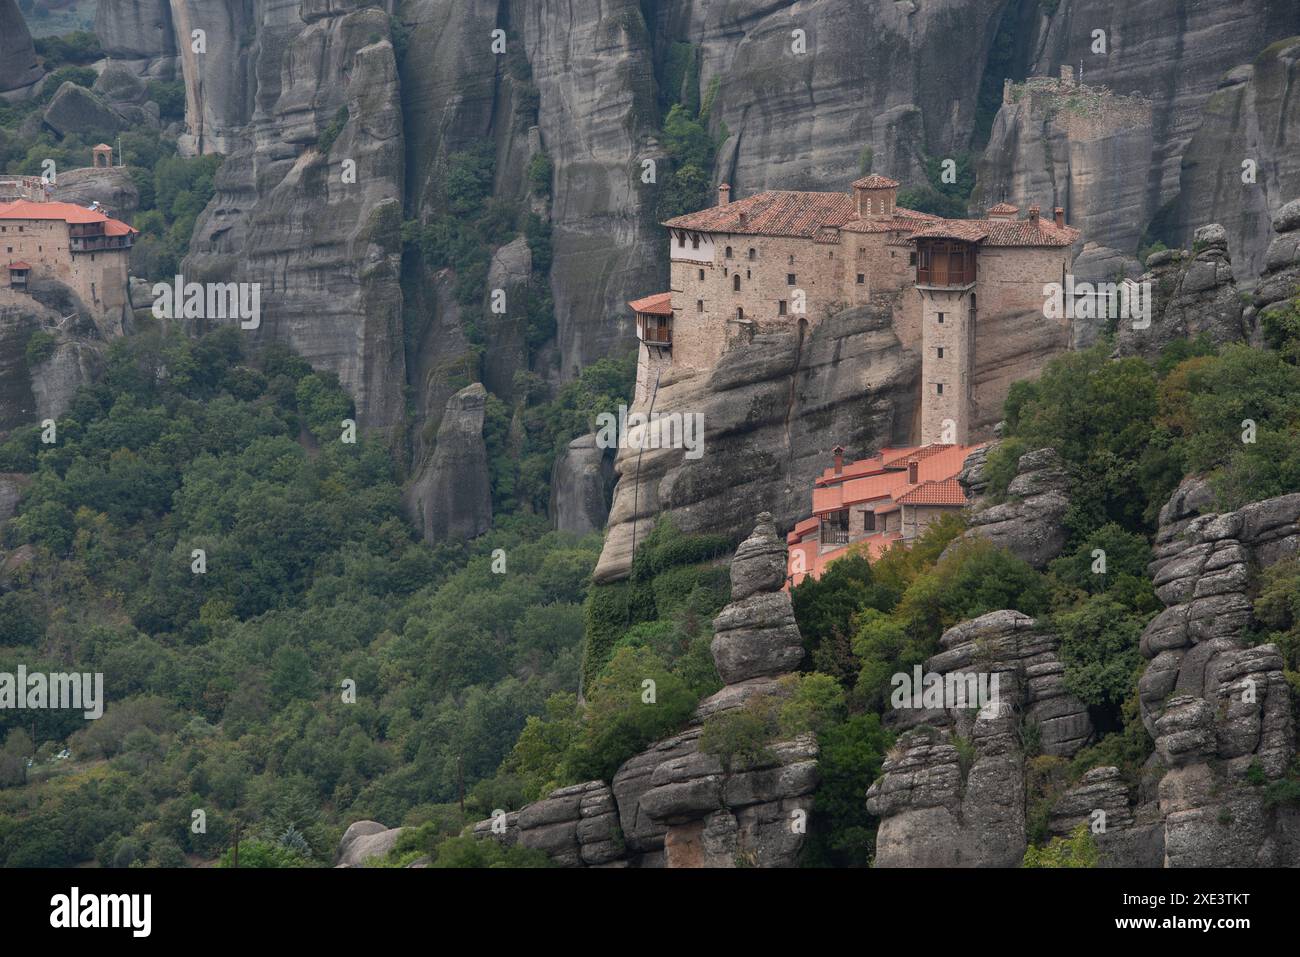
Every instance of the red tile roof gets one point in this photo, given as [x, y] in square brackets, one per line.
[946, 492]
[660, 304]
[773, 213]
[875, 181]
[68, 212]
[1001, 232]
[19, 266]
[900, 458]
[1004, 208]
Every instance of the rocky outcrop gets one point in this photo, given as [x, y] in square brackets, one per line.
[1280, 281]
[76, 109]
[451, 497]
[112, 188]
[577, 826]
[1193, 294]
[364, 840]
[18, 66]
[673, 805]
[1029, 522]
[135, 29]
[582, 481]
[769, 411]
[952, 793]
[1218, 709]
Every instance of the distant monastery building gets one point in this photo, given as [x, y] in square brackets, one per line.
[81, 247]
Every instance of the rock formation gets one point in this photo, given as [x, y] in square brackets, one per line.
[1029, 522]
[364, 840]
[582, 481]
[952, 789]
[451, 496]
[1280, 281]
[1216, 706]
[769, 410]
[18, 66]
[675, 806]
[1193, 294]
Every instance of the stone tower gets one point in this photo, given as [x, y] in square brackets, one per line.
[948, 347]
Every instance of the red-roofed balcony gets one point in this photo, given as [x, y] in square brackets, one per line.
[18, 273]
[654, 319]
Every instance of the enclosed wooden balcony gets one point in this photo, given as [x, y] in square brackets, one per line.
[945, 262]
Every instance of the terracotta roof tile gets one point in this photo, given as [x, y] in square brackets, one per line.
[1001, 232]
[1004, 208]
[19, 265]
[660, 304]
[945, 492]
[68, 212]
[773, 213]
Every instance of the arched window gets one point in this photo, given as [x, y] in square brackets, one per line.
[753, 254]
[735, 282]
[728, 252]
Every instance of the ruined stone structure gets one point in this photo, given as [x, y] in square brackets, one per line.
[787, 259]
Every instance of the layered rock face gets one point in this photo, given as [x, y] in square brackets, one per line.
[770, 409]
[1192, 295]
[18, 66]
[1281, 276]
[951, 793]
[1219, 710]
[319, 230]
[1029, 523]
[674, 805]
[451, 497]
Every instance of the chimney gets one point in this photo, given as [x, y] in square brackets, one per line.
[744, 218]
[1059, 215]
[838, 451]
[1033, 214]
[724, 194]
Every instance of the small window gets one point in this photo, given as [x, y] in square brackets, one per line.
[789, 279]
[740, 312]
[938, 386]
[681, 242]
[941, 352]
[941, 318]
[747, 274]
[753, 254]
[701, 273]
[699, 305]
[695, 242]
[868, 521]
[728, 252]
[735, 282]
[862, 279]
[780, 308]
[911, 259]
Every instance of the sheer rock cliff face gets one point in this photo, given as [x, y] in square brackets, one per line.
[326, 250]
[675, 806]
[450, 499]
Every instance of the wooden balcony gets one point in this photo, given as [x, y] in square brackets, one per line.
[654, 331]
[945, 263]
[99, 244]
